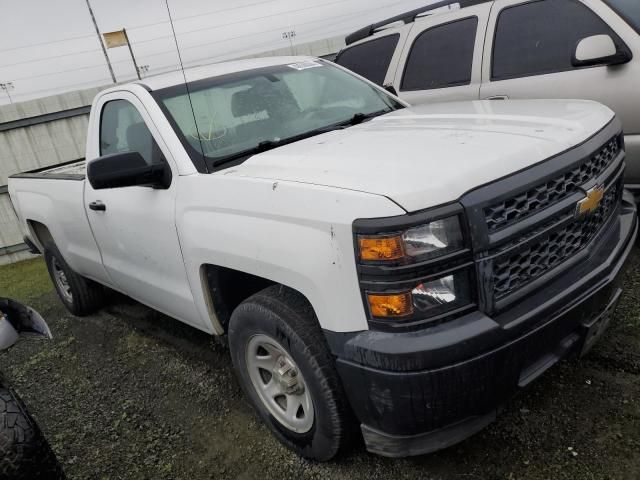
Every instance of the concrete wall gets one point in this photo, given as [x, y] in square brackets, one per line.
[63, 140]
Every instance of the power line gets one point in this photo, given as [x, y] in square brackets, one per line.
[51, 57]
[57, 72]
[53, 91]
[209, 59]
[223, 10]
[79, 37]
[241, 36]
[209, 27]
[184, 33]
[87, 67]
[213, 26]
[278, 29]
[45, 43]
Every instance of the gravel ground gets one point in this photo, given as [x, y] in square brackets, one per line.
[130, 393]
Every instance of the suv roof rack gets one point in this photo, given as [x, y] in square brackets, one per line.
[408, 17]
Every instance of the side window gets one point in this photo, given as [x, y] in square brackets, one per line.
[441, 57]
[541, 37]
[122, 130]
[370, 59]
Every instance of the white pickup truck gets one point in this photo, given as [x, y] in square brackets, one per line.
[402, 269]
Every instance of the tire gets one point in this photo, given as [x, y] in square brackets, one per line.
[80, 295]
[24, 452]
[285, 318]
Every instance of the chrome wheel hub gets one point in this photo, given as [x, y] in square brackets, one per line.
[279, 383]
[286, 374]
[60, 278]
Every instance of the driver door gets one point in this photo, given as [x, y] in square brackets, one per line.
[135, 226]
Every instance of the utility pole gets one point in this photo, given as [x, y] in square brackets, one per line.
[133, 58]
[104, 50]
[7, 86]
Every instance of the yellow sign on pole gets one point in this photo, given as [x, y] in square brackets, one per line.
[119, 38]
[115, 39]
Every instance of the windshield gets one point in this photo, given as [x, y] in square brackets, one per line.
[629, 10]
[240, 114]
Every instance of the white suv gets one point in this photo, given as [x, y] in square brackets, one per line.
[508, 49]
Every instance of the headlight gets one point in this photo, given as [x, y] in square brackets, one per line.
[433, 239]
[428, 299]
[442, 295]
[415, 269]
[424, 242]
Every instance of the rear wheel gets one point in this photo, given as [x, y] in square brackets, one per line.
[80, 295]
[287, 372]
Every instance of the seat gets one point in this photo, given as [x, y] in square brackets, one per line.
[139, 140]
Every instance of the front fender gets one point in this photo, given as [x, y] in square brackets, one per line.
[295, 234]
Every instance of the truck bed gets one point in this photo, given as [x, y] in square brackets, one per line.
[74, 170]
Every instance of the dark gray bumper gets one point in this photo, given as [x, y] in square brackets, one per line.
[417, 392]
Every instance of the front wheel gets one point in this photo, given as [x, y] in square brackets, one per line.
[287, 372]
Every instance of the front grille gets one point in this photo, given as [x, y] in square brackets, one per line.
[507, 212]
[513, 271]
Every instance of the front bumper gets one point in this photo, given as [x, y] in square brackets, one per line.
[418, 392]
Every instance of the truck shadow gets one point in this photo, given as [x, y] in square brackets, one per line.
[188, 341]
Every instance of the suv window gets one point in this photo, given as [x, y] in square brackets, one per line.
[441, 56]
[370, 59]
[541, 37]
[122, 130]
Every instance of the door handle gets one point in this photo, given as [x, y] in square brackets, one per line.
[498, 97]
[98, 206]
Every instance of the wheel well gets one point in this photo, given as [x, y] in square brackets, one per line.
[41, 233]
[228, 288]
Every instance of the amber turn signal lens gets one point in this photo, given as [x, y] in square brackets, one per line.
[390, 306]
[381, 248]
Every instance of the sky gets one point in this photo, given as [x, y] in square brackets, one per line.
[49, 47]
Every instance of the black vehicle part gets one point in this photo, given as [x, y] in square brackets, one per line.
[24, 452]
[80, 295]
[415, 392]
[283, 314]
[32, 246]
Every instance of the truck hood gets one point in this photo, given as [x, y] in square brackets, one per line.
[430, 155]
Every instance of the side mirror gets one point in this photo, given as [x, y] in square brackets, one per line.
[599, 50]
[391, 89]
[127, 170]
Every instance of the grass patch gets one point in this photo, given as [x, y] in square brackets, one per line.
[25, 281]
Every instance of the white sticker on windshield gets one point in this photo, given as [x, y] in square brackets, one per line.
[305, 65]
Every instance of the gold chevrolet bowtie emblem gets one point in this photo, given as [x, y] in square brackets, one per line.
[592, 202]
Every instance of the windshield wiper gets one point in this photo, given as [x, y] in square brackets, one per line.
[361, 117]
[260, 148]
[271, 144]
